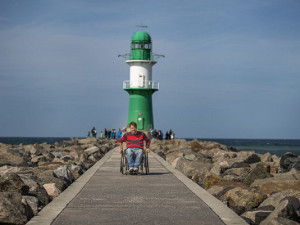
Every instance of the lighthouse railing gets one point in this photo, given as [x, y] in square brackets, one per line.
[153, 56]
[145, 84]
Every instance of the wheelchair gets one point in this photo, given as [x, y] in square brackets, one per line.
[143, 168]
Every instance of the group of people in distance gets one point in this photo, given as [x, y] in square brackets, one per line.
[159, 134]
[111, 134]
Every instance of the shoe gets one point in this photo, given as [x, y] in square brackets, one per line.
[136, 170]
[131, 170]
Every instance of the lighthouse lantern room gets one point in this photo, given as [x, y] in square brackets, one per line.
[140, 85]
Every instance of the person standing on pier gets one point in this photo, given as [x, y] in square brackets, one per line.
[135, 146]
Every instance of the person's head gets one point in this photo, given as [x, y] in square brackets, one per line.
[133, 127]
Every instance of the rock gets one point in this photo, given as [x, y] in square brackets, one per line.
[274, 199]
[243, 197]
[210, 180]
[288, 160]
[57, 154]
[162, 154]
[221, 193]
[64, 172]
[241, 172]
[40, 158]
[189, 168]
[51, 165]
[271, 185]
[254, 158]
[278, 221]
[13, 183]
[239, 209]
[190, 157]
[67, 158]
[92, 150]
[75, 170]
[295, 165]
[267, 157]
[8, 169]
[224, 164]
[258, 214]
[239, 165]
[259, 172]
[286, 210]
[11, 158]
[171, 156]
[33, 202]
[43, 197]
[52, 190]
[29, 181]
[34, 150]
[87, 141]
[11, 208]
[47, 176]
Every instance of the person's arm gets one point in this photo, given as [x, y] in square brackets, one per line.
[121, 140]
[147, 143]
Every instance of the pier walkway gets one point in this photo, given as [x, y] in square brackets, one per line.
[104, 196]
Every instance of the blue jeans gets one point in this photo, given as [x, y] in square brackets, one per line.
[138, 152]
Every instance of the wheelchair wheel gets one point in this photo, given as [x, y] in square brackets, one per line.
[146, 163]
[123, 164]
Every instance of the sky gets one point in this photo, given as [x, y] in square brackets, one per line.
[231, 68]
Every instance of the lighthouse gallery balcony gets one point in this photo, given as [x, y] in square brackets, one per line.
[144, 84]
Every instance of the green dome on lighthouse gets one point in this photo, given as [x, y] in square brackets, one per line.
[141, 46]
[141, 36]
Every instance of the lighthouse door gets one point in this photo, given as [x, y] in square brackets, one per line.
[141, 80]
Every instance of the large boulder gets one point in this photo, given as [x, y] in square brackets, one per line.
[28, 180]
[47, 176]
[171, 155]
[52, 190]
[64, 172]
[259, 172]
[190, 168]
[278, 183]
[288, 161]
[254, 158]
[9, 169]
[33, 203]
[11, 157]
[243, 197]
[13, 183]
[12, 211]
[257, 215]
[287, 208]
[240, 173]
[92, 150]
[275, 198]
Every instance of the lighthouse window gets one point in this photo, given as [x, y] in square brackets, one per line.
[146, 46]
[136, 45]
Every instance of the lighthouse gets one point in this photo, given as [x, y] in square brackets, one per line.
[140, 86]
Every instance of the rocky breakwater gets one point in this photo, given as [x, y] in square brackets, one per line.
[262, 189]
[33, 175]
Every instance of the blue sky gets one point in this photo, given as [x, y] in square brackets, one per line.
[232, 68]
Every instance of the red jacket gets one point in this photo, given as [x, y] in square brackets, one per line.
[135, 140]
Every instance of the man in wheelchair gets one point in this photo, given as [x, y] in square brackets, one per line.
[135, 146]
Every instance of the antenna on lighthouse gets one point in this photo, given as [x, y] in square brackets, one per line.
[142, 26]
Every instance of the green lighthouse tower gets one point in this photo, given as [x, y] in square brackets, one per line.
[140, 86]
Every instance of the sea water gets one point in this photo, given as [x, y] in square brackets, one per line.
[261, 146]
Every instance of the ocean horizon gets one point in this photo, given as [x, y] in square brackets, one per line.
[274, 146]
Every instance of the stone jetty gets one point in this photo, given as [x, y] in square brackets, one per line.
[262, 189]
[31, 176]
